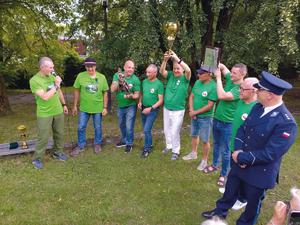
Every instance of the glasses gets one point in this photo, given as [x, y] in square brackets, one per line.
[242, 89]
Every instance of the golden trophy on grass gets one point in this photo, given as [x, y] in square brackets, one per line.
[171, 29]
[22, 129]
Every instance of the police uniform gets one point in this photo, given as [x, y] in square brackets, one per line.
[263, 140]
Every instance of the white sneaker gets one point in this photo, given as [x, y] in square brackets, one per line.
[238, 205]
[222, 190]
[190, 156]
[202, 165]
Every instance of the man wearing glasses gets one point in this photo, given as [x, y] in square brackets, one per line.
[260, 142]
[247, 101]
[222, 128]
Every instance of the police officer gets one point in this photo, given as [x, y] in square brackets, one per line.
[261, 141]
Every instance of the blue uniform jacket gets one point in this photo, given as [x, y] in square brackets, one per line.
[264, 141]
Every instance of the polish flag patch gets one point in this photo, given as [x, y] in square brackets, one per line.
[285, 134]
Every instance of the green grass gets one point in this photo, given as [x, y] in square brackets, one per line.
[114, 187]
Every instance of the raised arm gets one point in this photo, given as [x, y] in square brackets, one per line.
[162, 69]
[184, 66]
[223, 69]
[222, 95]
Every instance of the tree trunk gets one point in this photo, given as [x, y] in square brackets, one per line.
[208, 36]
[224, 20]
[4, 103]
[158, 28]
[194, 61]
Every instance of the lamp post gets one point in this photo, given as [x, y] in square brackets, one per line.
[104, 5]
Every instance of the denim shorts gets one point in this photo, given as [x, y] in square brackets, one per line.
[201, 125]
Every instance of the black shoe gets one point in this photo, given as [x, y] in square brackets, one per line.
[210, 214]
[121, 144]
[143, 148]
[145, 154]
[128, 149]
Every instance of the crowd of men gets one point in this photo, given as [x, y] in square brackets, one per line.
[252, 129]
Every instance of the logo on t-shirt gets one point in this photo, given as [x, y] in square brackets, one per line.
[178, 82]
[50, 87]
[91, 89]
[152, 90]
[244, 116]
[204, 93]
[130, 86]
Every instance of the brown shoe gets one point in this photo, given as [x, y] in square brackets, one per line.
[76, 151]
[97, 149]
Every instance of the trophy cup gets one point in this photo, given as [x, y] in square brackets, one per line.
[171, 29]
[22, 129]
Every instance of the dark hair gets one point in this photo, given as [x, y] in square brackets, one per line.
[242, 67]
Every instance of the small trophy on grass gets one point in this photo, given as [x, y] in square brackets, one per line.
[171, 29]
[123, 85]
[22, 129]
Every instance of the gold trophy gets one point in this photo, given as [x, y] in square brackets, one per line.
[171, 29]
[22, 129]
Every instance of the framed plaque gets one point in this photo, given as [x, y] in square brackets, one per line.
[211, 58]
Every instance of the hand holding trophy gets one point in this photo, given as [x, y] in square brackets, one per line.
[171, 29]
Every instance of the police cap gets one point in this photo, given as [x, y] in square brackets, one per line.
[272, 83]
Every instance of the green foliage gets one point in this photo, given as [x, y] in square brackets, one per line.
[260, 33]
[263, 36]
[29, 32]
[72, 66]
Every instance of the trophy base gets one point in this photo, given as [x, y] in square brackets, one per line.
[24, 146]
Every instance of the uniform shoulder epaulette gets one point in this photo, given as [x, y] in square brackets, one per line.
[286, 116]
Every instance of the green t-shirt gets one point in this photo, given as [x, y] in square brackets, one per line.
[175, 93]
[203, 93]
[134, 85]
[240, 115]
[151, 90]
[91, 91]
[225, 110]
[48, 108]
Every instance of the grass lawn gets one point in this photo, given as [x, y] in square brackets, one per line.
[114, 187]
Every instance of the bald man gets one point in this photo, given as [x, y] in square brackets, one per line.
[127, 105]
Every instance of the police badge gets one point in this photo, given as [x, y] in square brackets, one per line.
[123, 85]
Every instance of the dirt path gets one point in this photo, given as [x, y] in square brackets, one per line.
[25, 97]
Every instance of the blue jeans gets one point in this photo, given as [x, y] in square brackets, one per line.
[221, 141]
[148, 120]
[82, 123]
[201, 125]
[126, 117]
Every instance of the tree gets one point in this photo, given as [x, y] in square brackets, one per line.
[29, 31]
[260, 33]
